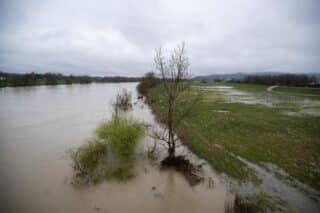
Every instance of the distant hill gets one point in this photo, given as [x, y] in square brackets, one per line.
[221, 77]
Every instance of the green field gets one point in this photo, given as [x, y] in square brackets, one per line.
[300, 91]
[257, 133]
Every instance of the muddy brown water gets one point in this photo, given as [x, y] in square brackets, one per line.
[38, 125]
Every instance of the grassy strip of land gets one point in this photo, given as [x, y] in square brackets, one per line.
[300, 91]
[257, 133]
[192, 136]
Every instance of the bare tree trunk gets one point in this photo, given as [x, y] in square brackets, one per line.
[174, 73]
[171, 149]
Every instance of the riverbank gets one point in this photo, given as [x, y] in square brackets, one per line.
[37, 79]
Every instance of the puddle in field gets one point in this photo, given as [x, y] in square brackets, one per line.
[221, 111]
[40, 123]
[296, 196]
[288, 195]
[297, 106]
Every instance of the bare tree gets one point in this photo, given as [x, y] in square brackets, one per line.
[175, 78]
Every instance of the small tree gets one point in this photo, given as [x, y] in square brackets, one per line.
[179, 96]
[122, 102]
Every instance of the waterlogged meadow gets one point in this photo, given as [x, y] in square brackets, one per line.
[245, 132]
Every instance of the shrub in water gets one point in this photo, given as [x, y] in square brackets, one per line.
[119, 171]
[89, 158]
[122, 134]
[123, 100]
[93, 161]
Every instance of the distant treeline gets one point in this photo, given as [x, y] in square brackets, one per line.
[30, 79]
[284, 79]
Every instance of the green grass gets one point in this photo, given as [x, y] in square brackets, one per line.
[300, 91]
[255, 132]
[194, 139]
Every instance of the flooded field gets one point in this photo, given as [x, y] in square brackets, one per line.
[297, 105]
[39, 124]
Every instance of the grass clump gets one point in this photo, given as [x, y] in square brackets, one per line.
[110, 156]
[122, 135]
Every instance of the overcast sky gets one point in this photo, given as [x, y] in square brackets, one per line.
[119, 37]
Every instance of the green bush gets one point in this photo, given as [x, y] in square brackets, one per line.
[90, 159]
[122, 134]
[148, 81]
[109, 156]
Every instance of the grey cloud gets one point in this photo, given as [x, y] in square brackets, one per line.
[119, 37]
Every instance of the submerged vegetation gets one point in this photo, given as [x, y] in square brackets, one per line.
[123, 101]
[121, 135]
[111, 153]
[89, 161]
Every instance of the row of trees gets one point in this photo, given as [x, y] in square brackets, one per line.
[284, 79]
[29, 79]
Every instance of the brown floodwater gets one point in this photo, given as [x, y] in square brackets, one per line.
[39, 124]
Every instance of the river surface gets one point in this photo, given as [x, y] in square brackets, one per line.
[39, 124]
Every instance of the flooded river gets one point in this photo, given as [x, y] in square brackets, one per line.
[39, 124]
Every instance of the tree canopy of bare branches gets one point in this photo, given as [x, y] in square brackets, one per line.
[175, 78]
